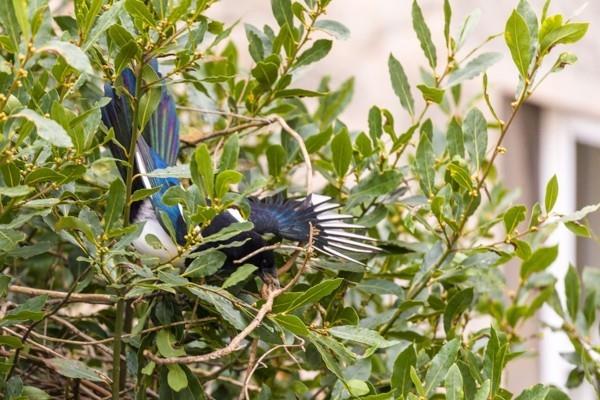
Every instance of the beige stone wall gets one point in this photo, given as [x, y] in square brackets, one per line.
[383, 26]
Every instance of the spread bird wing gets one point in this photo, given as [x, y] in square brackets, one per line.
[156, 148]
[291, 219]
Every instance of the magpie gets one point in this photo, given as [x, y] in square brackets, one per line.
[276, 216]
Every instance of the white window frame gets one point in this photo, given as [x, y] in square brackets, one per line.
[559, 135]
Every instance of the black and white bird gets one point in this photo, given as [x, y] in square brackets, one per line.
[276, 216]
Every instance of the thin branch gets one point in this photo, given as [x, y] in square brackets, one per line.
[224, 132]
[72, 298]
[267, 248]
[221, 112]
[305, 155]
[259, 361]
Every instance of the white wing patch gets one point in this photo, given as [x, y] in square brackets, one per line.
[236, 214]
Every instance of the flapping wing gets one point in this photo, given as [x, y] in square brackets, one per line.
[291, 219]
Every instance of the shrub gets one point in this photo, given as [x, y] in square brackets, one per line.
[398, 328]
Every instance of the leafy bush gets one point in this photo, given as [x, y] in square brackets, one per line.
[84, 315]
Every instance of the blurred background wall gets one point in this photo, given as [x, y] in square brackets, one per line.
[558, 132]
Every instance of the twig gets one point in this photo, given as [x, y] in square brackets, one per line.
[221, 112]
[267, 248]
[305, 155]
[259, 361]
[72, 298]
[249, 368]
[225, 132]
[110, 339]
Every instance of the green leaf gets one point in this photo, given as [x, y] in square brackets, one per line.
[316, 52]
[440, 364]
[47, 129]
[551, 193]
[423, 34]
[563, 34]
[470, 23]
[361, 335]
[165, 342]
[357, 388]
[400, 380]
[10, 26]
[15, 191]
[341, 149]
[107, 19]
[483, 392]
[282, 11]
[180, 171]
[142, 194]
[315, 142]
[400, 84]
[72, 54]
[375, 123]
[205, 263]
[125, 55]
[224, 180]
[21, 12]
[202, 170]
[540, 260]
[148, 104]
[315, 293]
[432, 94]
[455, 139]
[9, 239]
[4, 283]
[76, 370]
[231, 152]
[334, 28]
[578, 229]
[518, 40]
[11, 341]
[375, 185]
[138, 10]
[563, 60]
[513, 217]
[454, 384]
[474, 68]
[295, 92]
[239, 275]
[266, 71]
[528, 13]
[176, 378]
[115, 203]
[424, 162]
[537, 392]
[30, 310]
[494, 359]
[476, 137]
[223, 306]
[458, 303]
[447, 20]
[419, 387]
[276, 159]
[363, 144]
[73, 223]
[572, 292]
[293, 324]
[589, 308]
[229, 231]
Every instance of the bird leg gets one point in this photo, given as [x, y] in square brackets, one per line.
[270, 283]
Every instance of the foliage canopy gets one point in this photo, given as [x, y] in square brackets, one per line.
[405, 326]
